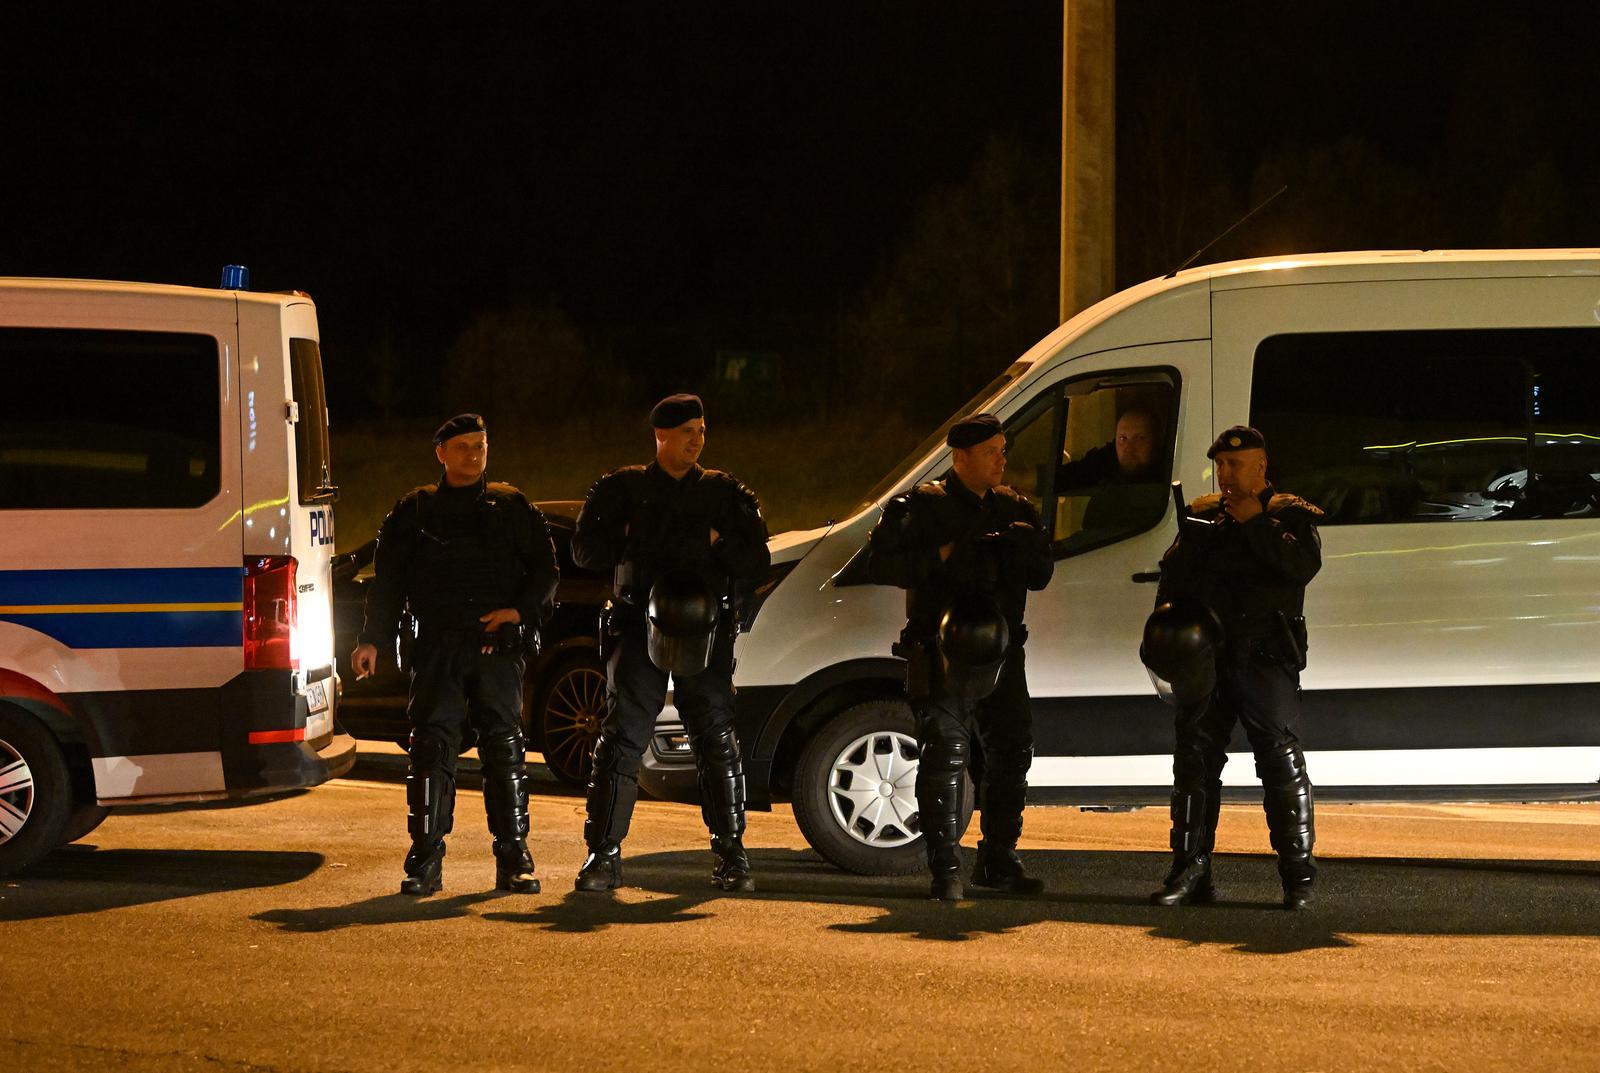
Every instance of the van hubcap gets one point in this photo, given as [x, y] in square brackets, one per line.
[16, 791]
[872, 789]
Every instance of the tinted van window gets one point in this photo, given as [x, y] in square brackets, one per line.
[1434, 425]
[311, 430]
[108, 419]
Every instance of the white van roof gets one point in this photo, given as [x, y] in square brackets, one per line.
[122, 287]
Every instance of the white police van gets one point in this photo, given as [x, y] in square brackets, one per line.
[166, 528]
[1443, 408]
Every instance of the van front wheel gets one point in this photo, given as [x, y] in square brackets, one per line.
[855, 791]
[35, 791]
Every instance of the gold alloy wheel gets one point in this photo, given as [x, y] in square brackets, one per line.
[574, 705]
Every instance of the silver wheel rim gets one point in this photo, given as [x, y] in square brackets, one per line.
[16, 792]
[573, 714]
[872, 790]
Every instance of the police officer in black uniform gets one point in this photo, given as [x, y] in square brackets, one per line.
[967, 549]
[676, 539]
[472, 567]
[1243, 556]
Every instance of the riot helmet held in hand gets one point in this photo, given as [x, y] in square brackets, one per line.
[973, 641]
[1182, 640]
[682, 615]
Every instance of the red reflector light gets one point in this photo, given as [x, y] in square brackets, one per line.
[271, 614]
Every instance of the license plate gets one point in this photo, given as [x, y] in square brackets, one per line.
[316, 697]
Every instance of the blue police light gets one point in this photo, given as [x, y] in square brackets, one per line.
[235, 278]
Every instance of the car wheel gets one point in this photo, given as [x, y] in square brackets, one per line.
[35, 792]
[568, 706]
[855, 791]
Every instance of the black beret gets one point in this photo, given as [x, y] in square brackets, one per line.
[971, 431]
[674, 410]
[459, 425]
[1237, 438]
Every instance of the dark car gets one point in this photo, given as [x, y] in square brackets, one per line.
[563, 697]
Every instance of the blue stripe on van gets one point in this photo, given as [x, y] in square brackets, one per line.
[140, 629]
[179, 585]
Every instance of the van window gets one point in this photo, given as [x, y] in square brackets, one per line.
[95, 419]
[1094, 456]
[311, 430]
[1419, 426]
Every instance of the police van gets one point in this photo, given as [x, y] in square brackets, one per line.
[1442, 408]
[166, 528]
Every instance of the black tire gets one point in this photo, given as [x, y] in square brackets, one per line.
[564, 715]
[85, 817]
[877, 732]
[35, 812]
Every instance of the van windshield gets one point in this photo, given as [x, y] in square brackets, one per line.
[311, 430]
[974, 405]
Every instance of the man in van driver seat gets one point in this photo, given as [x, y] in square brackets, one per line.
[1247, 556]
[474, 563]
[967, 549]
[675, 538]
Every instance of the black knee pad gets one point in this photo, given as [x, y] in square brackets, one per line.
[945, 756]
[503, 750]
[428, 750]
[609, 759]
[716, 749]
[1281, 765]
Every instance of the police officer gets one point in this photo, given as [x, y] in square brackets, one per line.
[967, 549]
[1244, 556]
[676, 539]
[473, 565]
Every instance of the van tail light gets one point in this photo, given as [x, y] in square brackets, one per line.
[271, 614]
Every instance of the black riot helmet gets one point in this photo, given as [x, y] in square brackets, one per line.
[973, 640]
[682, 614]
[1182, 640]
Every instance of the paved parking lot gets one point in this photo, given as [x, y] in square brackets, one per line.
[270, 938]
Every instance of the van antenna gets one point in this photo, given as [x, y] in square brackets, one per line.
[1195, 256]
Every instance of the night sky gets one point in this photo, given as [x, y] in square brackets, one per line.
[680, 178]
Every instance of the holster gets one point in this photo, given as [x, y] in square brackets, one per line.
[1285, 645]
[607, 638]
[919, 666]
[512, 639]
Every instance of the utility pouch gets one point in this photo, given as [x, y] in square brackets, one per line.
[919, 668]
[405, 642]
[512, 639]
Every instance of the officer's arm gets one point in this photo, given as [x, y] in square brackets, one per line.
[601, 533]
[1030, 550]
[896, 554]
[741, 547]
[1287, 541]
[391, 564]
[535, 598]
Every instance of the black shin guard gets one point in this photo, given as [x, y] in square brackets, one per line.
[721, 778]
[1287, 799]
[613, 791]
[940, 771]
[505, 786]
[1194, 811]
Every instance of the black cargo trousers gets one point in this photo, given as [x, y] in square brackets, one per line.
[636, 691]
[454, 684]
[1263, 694]
[945, 724]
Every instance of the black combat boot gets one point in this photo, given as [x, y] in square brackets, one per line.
[722, 807]
[613, 791]
[940, 770]
[431, 796]
[1286, 797]
[513, 867]
[602, 869]
[1194, 812]
[1000, 819]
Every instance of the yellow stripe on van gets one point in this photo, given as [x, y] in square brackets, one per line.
[110, 609]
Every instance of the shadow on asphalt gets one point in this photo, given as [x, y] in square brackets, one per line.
[82, 879]
[1368, 896]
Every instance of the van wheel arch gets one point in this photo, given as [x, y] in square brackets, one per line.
[818, 698]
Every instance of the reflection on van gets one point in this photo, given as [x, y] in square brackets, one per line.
[1395, 390]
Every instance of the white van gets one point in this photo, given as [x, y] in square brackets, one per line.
[166, 526]
[1442, 407]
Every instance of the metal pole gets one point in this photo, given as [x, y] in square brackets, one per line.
[1088, 153]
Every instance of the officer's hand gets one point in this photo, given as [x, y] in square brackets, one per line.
[364, 660]
[493, 620]
[946, 551]
[1023, 533]
[1242, 507]
[715, 536]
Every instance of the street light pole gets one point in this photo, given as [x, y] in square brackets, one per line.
[1088, 153]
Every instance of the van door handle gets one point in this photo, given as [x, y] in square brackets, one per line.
[1147, 577]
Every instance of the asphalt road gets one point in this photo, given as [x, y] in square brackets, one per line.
[270, 937]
